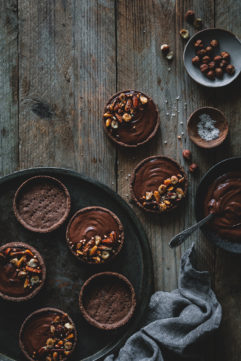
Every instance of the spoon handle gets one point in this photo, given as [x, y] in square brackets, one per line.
[182, 236]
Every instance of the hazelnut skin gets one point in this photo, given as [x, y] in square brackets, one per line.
[201, 52]
[214, 43]
[209, 49]
[190, 16]
[193, 167]
[204, 68]
[217, 59]
[210, 75]
[198, 44]
[211, 65]
[219, 72]
[206, 59]
[223, 64]
[186, 154]
[225, 55]
[230, 69]
[195, 60]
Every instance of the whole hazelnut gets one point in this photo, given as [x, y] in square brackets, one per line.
[219, 72]
[210, 75]
[204, 68]
[193, 167]
[190, 16]
[195, 60]
[209, 49]
[165, 48]
[201, 52]
[186, 154]
[223, 64]
[214, 43]
[184, 33]
[230, 69]
[198, 44]
[206, 59]
[211, 65]
[225, 55]
[217, 59]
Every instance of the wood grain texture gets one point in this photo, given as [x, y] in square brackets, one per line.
[9, 86]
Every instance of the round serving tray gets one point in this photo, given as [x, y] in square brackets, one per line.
[65, 274]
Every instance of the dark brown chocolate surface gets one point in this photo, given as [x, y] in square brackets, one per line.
[42, 204]
[224, 199]
[150, 173]
[36, 332]
[12, 285]
[107, 300]
[91, 221]
[140, 129]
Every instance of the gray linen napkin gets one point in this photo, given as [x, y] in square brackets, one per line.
[177, 323]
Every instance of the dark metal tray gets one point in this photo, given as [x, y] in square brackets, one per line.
[65, 274]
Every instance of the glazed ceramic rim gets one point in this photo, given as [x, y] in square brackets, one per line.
[150, 136]
[208, 144]
[39, 311]
[139, 165]
[60, 221]
[124, 320]
[235, 76]
[43, 267]
[113, 215]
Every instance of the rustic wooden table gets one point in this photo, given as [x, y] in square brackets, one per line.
[61, 60]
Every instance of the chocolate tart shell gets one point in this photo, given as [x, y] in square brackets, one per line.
[24, 186]
[43, 267]
[114, 216]
[43, 310]
[118, 278]
[150, 136]
[139, 165]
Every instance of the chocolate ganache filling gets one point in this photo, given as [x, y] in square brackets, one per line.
[224, 199]
[132, 117]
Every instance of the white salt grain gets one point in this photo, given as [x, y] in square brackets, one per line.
[206, 128]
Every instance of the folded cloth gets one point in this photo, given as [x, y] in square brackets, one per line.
[177, 323]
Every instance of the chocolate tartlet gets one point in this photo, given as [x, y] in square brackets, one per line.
[130, 118]
[22, 272]
[107, 300]
[41, 204]
[48, 334]
[158, 184]
[95, 235]
[224, 199]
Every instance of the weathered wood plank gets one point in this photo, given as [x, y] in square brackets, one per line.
[9, 86]
[67, 67]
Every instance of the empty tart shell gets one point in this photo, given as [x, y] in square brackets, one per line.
[41, 204]
[146, 181]
[107, 300]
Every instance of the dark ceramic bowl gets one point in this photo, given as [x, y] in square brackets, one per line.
[227, 165]
[228, 42]
[221, 124]
[107, 300]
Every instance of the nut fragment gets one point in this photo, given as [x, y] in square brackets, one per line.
[126, 117]
[198, 23]
[97, 240]
[162, 188]
[149, 195]
[184, 33]
[50, 342]
[174, 179]
[105, 254]
[143, 99]
[34, 280]
[68, 345]
[190, 16]
[69, 326]
[165, 48]
[114, 124]
[170, 55]
[186, 154]
[193, 167]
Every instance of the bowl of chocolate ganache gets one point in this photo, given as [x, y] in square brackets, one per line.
[219, 192]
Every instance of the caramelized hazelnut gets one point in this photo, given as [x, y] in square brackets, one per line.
[206, 59]
[201, 52]
[186, 154]
[195, 60]
[219, 72]
[217, 59]
[211, 65]
[190, 16]
[214, 43]
[204, 68]
[209, 49]
[230, 69]
[225, 55]
[198, 44]
[193, 167]
[223, 64]
[165, 48]
[210, 75]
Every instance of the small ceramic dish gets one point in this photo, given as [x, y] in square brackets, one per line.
[220, 123]
[227, 42]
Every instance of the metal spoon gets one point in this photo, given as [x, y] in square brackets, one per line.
[181, 237]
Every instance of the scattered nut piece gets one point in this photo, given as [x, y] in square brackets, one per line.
[186, 154]
[114, 124]
[193, 167]
[126, 117]
[165, 48]
[184, 33]
[143, 99]
[198, 23]
[190, 16]
[170, 55]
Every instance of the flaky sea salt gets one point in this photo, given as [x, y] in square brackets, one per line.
[206, 128]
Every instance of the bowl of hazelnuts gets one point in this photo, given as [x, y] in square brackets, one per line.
[212, 57]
